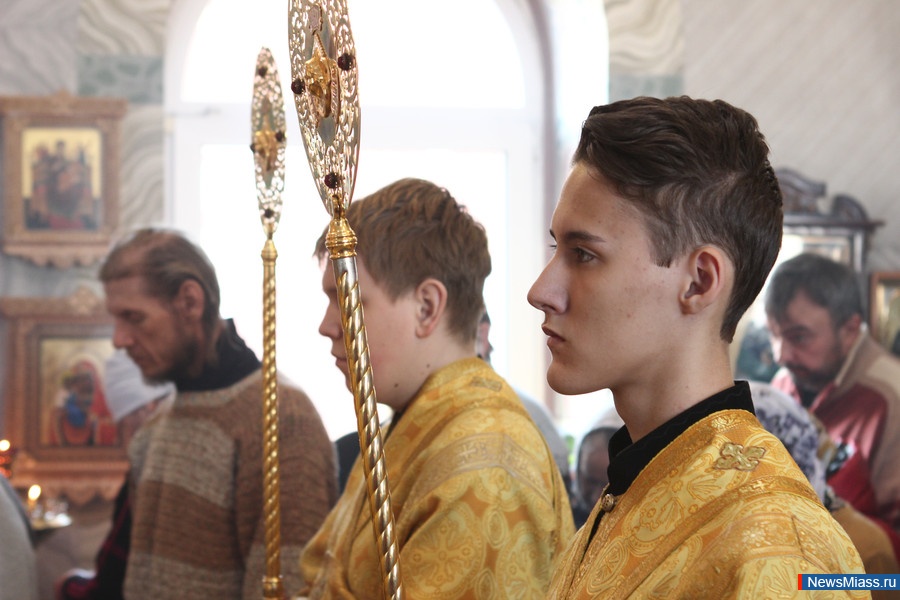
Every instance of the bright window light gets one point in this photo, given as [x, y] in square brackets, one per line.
[396, 43]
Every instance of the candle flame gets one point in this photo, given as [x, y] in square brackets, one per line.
[34, 492]
[4, 445]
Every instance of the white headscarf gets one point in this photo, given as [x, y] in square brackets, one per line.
[126, 390]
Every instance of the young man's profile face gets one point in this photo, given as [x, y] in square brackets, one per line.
[806, 341]
[607, 306]
[154, 336]
[390, 326]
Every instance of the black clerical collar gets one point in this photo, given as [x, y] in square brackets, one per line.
[234, 361]
[628, 459]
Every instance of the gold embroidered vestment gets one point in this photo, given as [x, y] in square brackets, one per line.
[480, 507]
[722, 512]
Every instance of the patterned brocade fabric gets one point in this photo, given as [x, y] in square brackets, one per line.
[480, 509]
[722, 512]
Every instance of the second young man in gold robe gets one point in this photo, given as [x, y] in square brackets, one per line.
[480, 507]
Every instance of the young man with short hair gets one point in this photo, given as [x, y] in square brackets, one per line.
[664, 233]
[480, 509]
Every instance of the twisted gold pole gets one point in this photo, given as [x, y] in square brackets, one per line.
[268, 145]
[273, 588]
[341, 243]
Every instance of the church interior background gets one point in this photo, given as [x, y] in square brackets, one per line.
[484, 97]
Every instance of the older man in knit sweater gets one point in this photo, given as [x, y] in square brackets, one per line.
[198, 527]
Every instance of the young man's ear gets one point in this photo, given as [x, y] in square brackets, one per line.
[190, 300]
[708, 273]
[431, 303]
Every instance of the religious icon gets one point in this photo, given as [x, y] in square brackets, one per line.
[75, 408]
[61, 182]
[80, 416]
[60, 177]
[56, 412]
[884, 309]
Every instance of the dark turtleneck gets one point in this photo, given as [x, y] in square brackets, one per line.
[233, 362]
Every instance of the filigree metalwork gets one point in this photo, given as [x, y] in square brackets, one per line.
[326, 95]
[268, 140]
[268, 146]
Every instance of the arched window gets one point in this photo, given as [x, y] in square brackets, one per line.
[455, 92]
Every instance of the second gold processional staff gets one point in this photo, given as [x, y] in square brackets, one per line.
[268, 143]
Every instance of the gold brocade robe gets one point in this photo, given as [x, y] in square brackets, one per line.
[722, 512]
[480, 509]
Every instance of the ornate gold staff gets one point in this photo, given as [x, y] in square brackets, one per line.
[268, 146]
[324, 82]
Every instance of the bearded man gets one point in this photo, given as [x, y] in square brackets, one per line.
[197, 472]
[832, 366]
